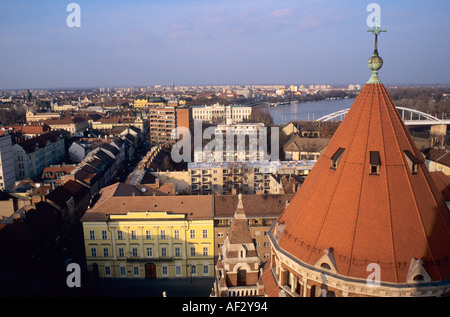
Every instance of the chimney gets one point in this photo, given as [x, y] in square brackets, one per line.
[133, 194]
[157, 183]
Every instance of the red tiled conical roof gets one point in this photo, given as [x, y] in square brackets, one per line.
[388, 217]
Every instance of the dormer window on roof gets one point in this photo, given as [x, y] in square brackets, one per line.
[336, 158]
[375, 163]
[411, 161]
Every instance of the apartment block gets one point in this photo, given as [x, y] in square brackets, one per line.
[246, 177]
[162, 124]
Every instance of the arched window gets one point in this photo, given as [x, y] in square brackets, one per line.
[325, 266]
[418, 278]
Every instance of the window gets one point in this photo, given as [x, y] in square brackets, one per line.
[92, 235]
[192, 234]
[335, 159]
[121, 252]
[148, 234]
[193, 269]
[133, 235]
[162, 234]
[149, 252]
[93, 252]
[107, 270]
[105, 252]
[411, 161]
[375, 163]
[134, 252]
[104, 235]
[136, 270]
[119, 235]
[176, 234]
[205, 251]
[122, 270]
[177, 251]
[164, 270]
[205, 269]
[163, 251]
[418, 278]
[220, 234]
[325, 266]
[192, 251]
[178, 270]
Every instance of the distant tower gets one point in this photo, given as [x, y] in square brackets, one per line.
[368, 220]
[237, 269]
[27, 96]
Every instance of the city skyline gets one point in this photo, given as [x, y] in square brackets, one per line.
[208, 43]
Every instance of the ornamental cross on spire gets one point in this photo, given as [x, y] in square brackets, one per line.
[376, 30]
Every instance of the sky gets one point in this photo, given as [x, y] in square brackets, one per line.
[219, 42]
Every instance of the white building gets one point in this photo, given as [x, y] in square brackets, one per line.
[221, 114]
[245, 143]
[7, 175]
[247, 177]
[31, 156]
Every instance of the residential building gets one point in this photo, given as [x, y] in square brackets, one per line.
[241, 142]
[437, 160]
[31, 156]
[246, 177]
[139, 121]
[163, 122]
[35, 116]
[74, 125]
[298, 148]
[148, 101]
[55, 175]
[29, 130]
[72, 199]
[141, 236]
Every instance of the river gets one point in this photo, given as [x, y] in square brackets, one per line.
[307, 111]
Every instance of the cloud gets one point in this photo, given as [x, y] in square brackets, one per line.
[280, 14]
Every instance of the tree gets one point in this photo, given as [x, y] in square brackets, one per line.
[260, 115]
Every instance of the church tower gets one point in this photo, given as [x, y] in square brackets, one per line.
[368, 220]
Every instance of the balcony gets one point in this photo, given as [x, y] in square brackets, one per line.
[242, 291]
[152, 259]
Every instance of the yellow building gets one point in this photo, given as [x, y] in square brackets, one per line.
[148, 101]
[130, 233]
[140, 102]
